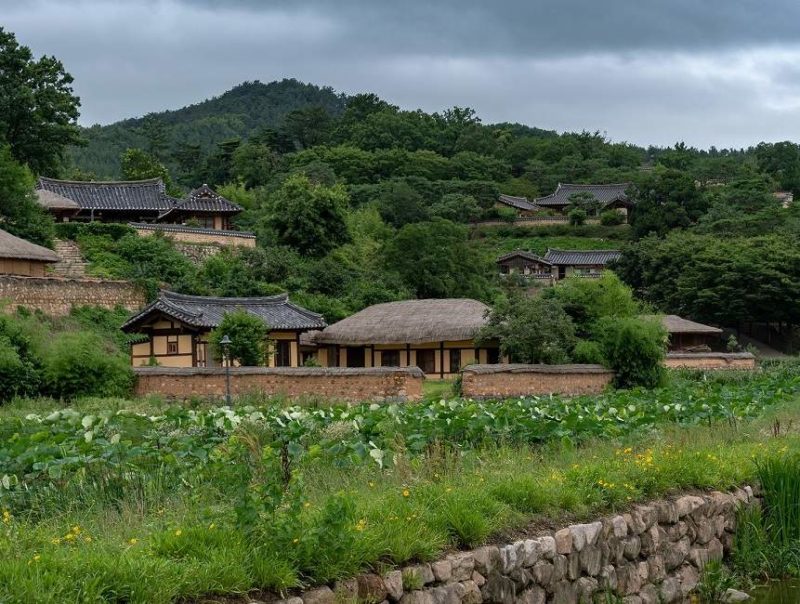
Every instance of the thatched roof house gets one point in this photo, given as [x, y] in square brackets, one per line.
[20, 257]
[437, 335]
[688, 336]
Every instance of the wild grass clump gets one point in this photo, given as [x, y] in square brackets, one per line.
[767, 541]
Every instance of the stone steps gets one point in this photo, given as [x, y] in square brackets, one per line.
[72, 264]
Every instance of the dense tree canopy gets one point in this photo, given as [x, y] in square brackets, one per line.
[20, 215]
[38, 111]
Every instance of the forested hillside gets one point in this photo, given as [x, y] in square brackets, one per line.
[237, 113]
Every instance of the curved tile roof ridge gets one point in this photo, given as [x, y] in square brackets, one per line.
[171, 295]
[142, 181]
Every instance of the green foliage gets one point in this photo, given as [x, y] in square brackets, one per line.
[531, 330]
[587, 351]
[309, 218]
[715, 580]
[717, 280]
[137, 164]
[435, 260]
[611, 218]
[586, 300]
[456, 208]
[38, 110]
[83, 364]
[577, 217]
[666, 200]
[248, 334]
[634, 348]
[20, 215]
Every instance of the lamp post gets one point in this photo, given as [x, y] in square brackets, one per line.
[225, 342]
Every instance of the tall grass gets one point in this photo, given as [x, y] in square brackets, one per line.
[780, 481]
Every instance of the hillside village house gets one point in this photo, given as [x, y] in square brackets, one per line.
[177, 328]
[438, 336]
[690, 336]
[23, 258]
[556, 264]
[608, 197]
[203, 216]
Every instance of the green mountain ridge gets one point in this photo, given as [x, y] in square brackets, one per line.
[237, 113]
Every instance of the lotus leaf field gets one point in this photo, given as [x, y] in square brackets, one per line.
[41, 452]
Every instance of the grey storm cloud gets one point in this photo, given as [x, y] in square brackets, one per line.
[718, 73]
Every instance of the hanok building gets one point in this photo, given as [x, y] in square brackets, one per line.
[585, 263]
[690, 336]
[556, 264]
[607, 197]
[23, 258]
[438, 336]
[177, 327]
[521, 205]
[136, 201]
[525, 264]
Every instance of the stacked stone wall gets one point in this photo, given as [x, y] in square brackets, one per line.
[334, 383]
[653, 554]
[57, 296]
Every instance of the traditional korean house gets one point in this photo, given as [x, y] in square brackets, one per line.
[608, 197]
[60, 207]
[526, 264]
[520, 205]
[586, 263]
[23, 258]
[177, 327]
[438, 336]
[690, 336]
[137, 201]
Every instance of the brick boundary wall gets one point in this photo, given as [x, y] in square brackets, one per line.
[710, 360]
[56, 296]
[382, 384]
[652, 554]
[509, 380]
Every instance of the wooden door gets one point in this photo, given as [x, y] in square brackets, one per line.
[426, 360]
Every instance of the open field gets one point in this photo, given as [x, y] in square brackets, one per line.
[158, 504]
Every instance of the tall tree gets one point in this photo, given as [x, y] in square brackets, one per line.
[20, 215]
[38, 111]
[140, 165]
[309, 218]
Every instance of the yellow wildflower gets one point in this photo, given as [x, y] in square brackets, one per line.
[178, 532]
[133, 541]
[295, 540]
[361, 525]
[87, 539]
[406, 493]
[212, 526]
[6, 516]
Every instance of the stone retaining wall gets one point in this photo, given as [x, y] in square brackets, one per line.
[334, 383]
[56, 296]
[710, 360]
[509, 380]
[651, 555]
[201, 236]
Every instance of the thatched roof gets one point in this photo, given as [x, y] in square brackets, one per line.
[53, 201]
[676, 324]
[14, 248]
[409, 321]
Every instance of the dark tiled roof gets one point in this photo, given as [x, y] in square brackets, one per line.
[204, 199]
[581, 257]
[179, 228]
[522, 254]
[605, 194]
[132, 195]
[519, 203]
[206, 312]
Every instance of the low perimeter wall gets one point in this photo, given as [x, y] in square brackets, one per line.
[349, 384]
[485, 381]
[56, 296]
[710, 360]
[652, 554]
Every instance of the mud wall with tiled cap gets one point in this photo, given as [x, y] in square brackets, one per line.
[652, 554]
[393, 384]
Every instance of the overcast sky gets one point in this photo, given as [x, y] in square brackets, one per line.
[708, 72]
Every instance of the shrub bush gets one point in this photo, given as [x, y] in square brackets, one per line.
[83, 364]
[611, 218]
[634, 348]
[248, 335]
[587, 351]
[577, 217]
[72, 230]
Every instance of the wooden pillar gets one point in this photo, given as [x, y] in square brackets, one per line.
[477, 356]
[298, 355]
[408, 355]
[194, 350]
[441, 360]
[372, 356]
